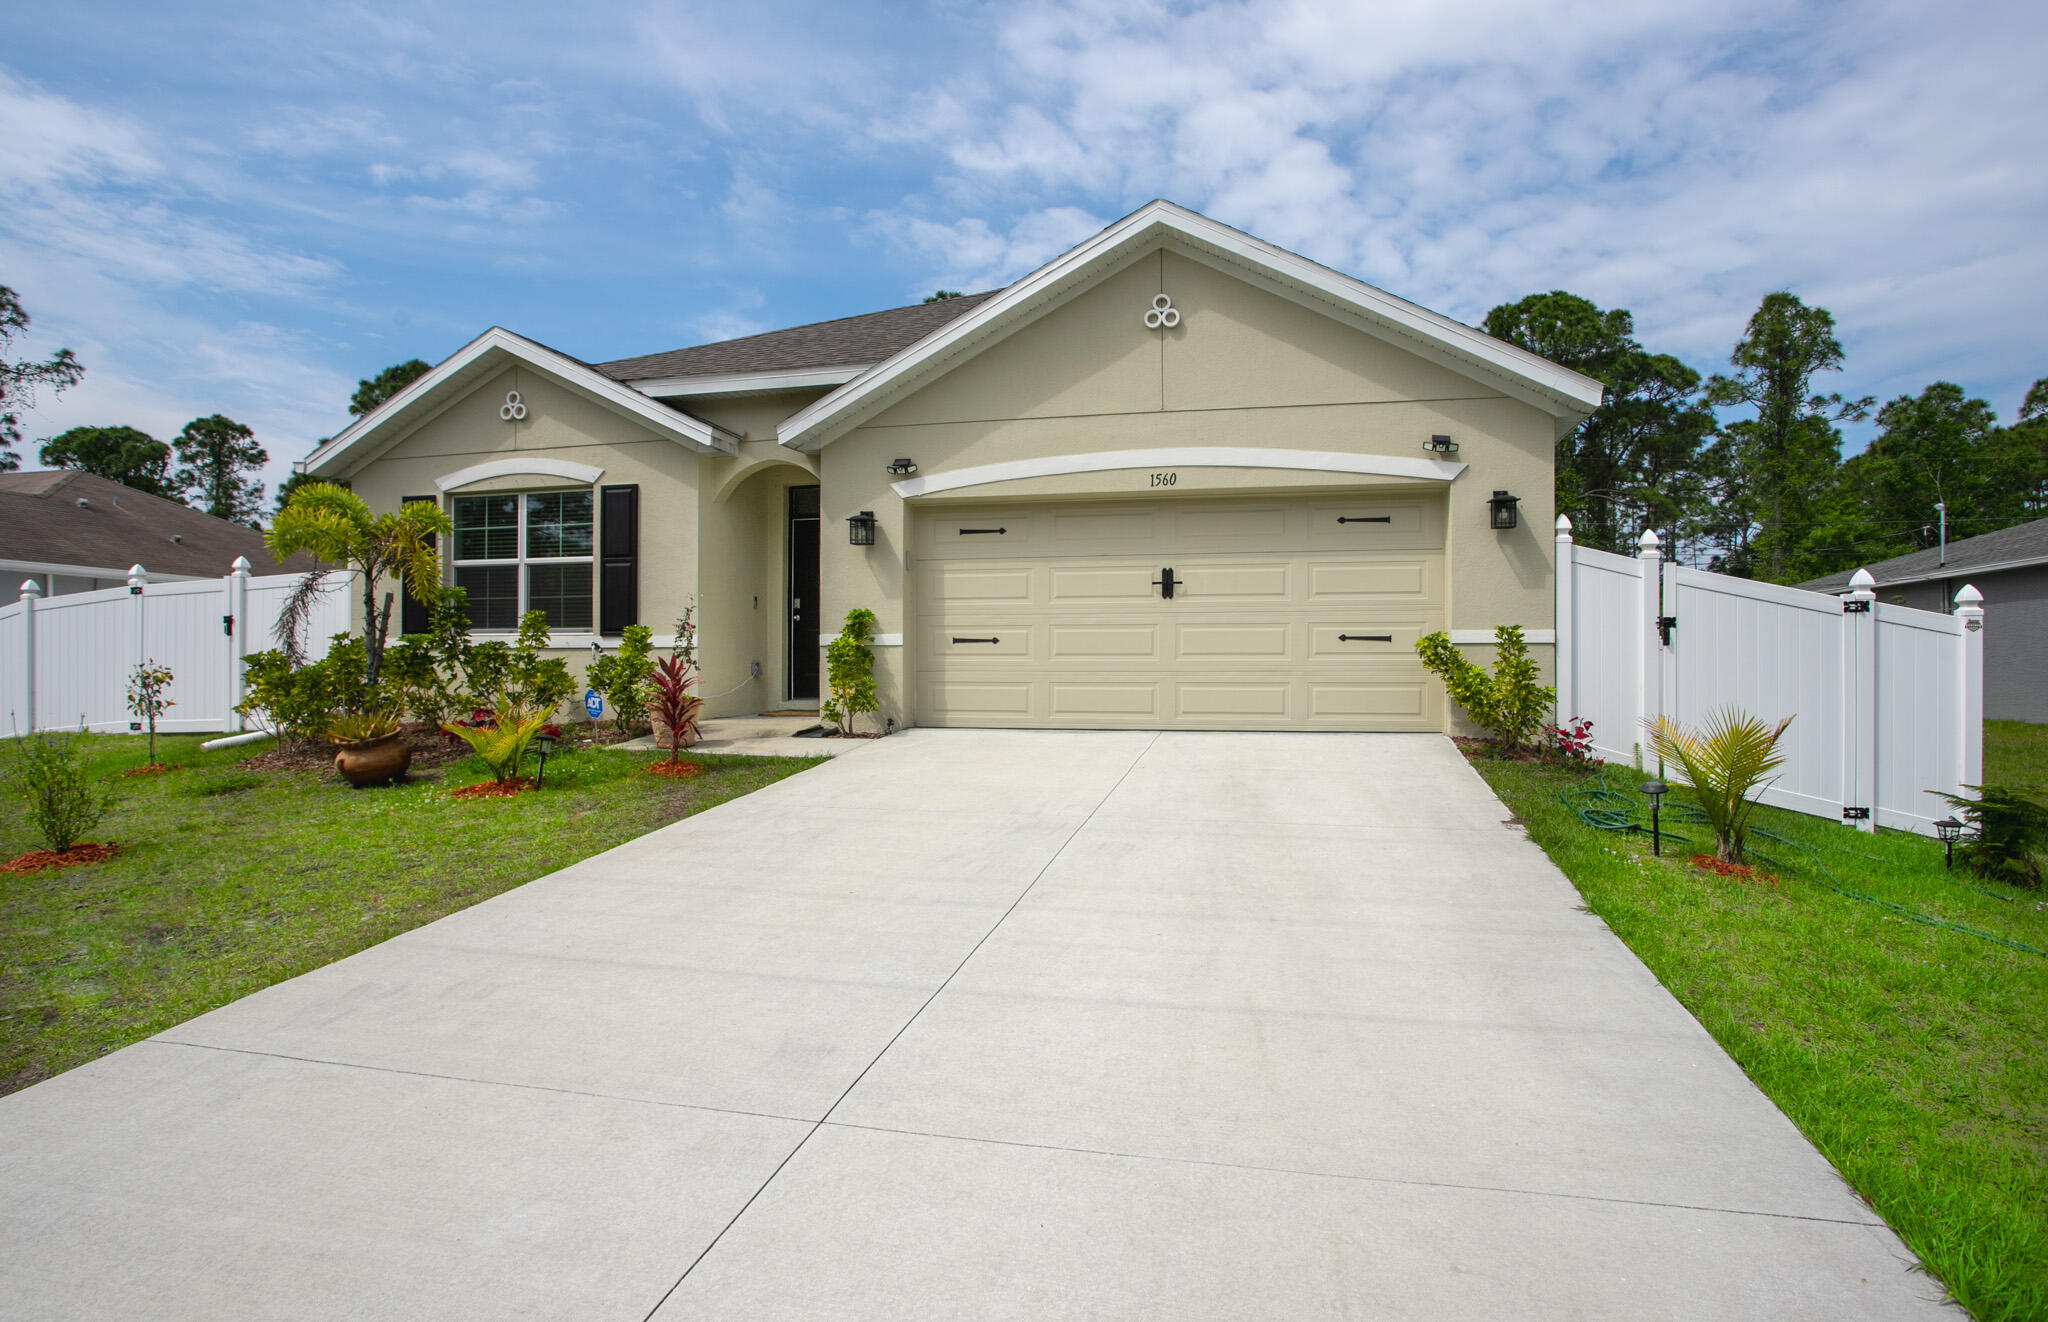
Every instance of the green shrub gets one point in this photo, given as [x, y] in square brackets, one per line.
[502, 743]
[1508, 702]
[850, 671]
[2009, 830]
[1722, 762]
[622, 678]
[146, 686]
[441, 674]
[301, 702]
[45, 770]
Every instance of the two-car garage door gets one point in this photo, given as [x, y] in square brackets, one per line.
[1285, 613]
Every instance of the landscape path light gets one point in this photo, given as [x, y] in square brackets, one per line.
[1950, 830]
[1653, 790]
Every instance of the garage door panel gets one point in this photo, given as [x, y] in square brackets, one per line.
[1282, 618]
[1338, 580]
[1360, 640]
[1227, 642]
[1090, 643]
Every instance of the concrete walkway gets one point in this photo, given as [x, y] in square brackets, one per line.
[974, 1025]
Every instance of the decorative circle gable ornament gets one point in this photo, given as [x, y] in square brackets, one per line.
[1162, 315]
[514, 408]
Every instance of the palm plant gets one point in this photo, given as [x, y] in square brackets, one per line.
[363, 727]
[332, 524]
[1722, 761]
[673, 706]
[502, 743]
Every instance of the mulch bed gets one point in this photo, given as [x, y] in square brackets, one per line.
[1474, 748]
[493, 789]
[1739, 871]
[154, 769]
[37, 860]
[675, 770]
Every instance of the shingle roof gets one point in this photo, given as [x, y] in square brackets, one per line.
[42, 522]
[2023, 544]
[845, 342]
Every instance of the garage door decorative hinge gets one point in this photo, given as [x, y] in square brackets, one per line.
[1369, 518]
[977, 640]
[1365, 638]
[970, 532]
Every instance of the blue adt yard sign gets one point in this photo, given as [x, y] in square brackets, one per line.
[593, 706]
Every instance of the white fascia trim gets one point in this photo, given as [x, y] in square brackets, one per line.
[746, 383]
[583, 474]
[1210, 456]
[1562, 392]
[325, 462]
[879, 640]
[78, 571]
[1946, 572]
[1484, 637]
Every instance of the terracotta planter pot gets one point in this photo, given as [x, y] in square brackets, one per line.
[374, 761]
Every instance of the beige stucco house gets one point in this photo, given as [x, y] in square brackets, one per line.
[1175, 478]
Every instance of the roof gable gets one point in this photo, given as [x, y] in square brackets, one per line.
[476, 362]
[1564, 394]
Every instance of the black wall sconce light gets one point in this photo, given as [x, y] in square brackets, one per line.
[1441, 445]
[860, 529]
[902, 467]
[1503, 507]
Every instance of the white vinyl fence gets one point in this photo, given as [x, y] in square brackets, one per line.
[1888, 703]
[65, 661]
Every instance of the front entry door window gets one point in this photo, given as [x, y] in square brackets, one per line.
[804, 614]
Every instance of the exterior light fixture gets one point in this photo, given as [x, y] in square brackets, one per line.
[1503, 507]
[1441, 445]
[860, 529]
[902, 467]
[1653, 790]
[1950, 830]
[545, 743]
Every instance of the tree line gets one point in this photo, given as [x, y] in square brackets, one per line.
[1769, 495]
[210, 464]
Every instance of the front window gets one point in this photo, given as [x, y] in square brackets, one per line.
[518, 552]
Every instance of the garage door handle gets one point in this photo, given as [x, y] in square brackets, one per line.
[1357, 638]
[1165, 584]
[1368, 518]
[977, 640]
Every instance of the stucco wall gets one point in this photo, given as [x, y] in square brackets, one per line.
[1244, 367]
[560, 424]
[2015, 635]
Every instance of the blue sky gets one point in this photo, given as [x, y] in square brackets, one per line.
[244, 209]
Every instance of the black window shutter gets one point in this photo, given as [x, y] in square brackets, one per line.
[412, 614]
[618, 570]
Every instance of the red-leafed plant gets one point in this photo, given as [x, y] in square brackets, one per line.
[1572, 741]
[672, 707]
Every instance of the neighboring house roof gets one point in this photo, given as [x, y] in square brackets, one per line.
[844, 342]
[72, 521]
[484, 357]
[1566, 395]
[2017, 547]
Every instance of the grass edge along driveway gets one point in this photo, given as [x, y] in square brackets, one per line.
[1909, 1054]
[230, 879]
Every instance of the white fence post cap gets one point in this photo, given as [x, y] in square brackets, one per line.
[1648, 541]
[1564, 528]
[137, 572]
[31, 588]
[1968, 598]
[241, 566]
[1862, 579]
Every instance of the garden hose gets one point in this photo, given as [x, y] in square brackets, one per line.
[1604, 806]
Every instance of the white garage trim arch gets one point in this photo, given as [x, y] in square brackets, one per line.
[1210, 456]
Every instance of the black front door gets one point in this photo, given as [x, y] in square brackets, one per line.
[804, 616]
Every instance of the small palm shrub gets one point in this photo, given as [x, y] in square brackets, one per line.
[362, 727]
[674, 708]
[850, 671]
[1722, 761]
[502, 744]
[2009, 830]
[1508, 702]
[45, 770]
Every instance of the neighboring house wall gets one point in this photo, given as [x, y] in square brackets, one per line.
[2015, 635]
[1243, 368]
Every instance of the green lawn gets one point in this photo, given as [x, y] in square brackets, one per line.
[1911, 1055]
[2016, 754]
[230, 880]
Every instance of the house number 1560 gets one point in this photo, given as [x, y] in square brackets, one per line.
[1165, 479]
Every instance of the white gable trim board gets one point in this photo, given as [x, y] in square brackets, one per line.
[1213, 456]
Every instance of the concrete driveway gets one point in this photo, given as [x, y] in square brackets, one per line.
[976, 1025]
